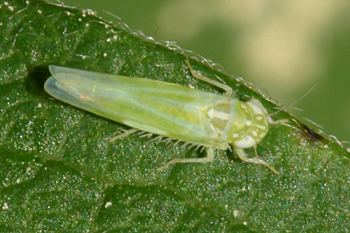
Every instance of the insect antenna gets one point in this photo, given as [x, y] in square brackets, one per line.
[281, 108]
[291, 105]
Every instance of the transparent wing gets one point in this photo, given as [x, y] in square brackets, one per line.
[162, 108]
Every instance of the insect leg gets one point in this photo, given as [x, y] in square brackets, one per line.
[278, 122]
[228, 90]
[243, 156]
[284, 122]
[210, 157]
[124, 134]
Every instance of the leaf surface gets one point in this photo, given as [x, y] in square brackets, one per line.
[60, 173]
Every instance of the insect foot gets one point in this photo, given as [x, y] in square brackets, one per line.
[243, 156]
[210, 157]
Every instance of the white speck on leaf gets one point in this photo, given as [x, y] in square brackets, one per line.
[108, 204]
[5, 206]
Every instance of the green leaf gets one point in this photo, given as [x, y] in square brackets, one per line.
[60, 173]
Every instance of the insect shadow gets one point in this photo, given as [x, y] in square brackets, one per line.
[310, 134]
[232, 157]
[36, 78]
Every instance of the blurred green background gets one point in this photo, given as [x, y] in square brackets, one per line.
[284, 47]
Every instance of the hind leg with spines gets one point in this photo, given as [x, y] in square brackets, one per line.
[125, 133]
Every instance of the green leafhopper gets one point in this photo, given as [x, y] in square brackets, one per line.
[170, 110]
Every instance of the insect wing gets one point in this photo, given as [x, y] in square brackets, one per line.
[162, 108]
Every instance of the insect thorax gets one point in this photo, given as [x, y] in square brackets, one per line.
[242, 124]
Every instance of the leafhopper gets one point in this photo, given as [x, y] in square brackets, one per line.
[213, 121]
